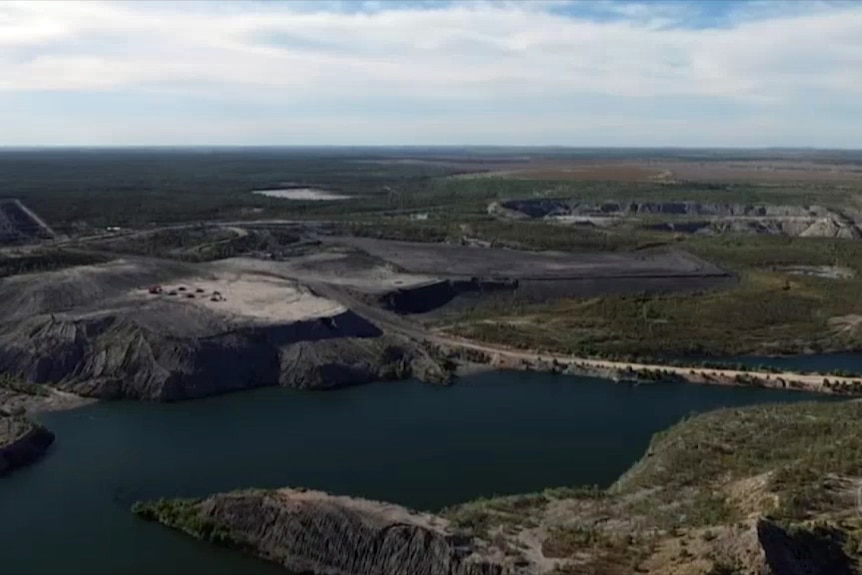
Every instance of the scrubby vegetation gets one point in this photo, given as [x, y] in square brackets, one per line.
[702, 485]
[802, 447]
[767, 311]
[184, 515]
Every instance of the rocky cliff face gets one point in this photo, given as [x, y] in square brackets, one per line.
[313, 532]
[119, 356]
[21, 442]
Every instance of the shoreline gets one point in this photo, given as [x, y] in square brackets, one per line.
[491, 356]
[474, 357]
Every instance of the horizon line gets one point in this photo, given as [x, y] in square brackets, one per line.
[7, 148]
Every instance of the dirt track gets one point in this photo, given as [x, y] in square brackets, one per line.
[805, 381]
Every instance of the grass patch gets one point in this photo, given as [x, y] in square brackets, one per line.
[481, 516]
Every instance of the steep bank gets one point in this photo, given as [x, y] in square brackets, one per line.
[115, 357]
[432, 296]
[21, 442]
[313, 532]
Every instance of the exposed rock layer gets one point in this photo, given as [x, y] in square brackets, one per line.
[312, 532]
[118, 357]
[693, 217]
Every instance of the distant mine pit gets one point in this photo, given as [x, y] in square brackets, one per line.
[689, 217]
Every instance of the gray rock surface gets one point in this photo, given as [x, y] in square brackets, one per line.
[115, 357]
[313, 532]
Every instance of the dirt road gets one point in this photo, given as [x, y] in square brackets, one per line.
[807, 381]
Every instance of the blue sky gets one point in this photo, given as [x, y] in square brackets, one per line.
[540, 72]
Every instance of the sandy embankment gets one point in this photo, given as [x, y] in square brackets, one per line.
[507, 358]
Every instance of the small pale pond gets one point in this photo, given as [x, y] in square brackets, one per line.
[304, 194]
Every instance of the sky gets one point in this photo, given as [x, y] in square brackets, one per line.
[699, 73]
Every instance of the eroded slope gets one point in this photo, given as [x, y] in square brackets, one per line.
[313, 532]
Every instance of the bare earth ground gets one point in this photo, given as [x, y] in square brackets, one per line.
[235, 290]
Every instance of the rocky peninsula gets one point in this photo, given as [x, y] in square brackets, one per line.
[313, 532]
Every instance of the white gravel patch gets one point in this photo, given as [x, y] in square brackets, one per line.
[256, 298]
[305, 194]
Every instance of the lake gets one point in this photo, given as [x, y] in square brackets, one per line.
[407, 442]
[821, 363]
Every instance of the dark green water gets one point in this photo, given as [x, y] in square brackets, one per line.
[419, 445]
[826, 362]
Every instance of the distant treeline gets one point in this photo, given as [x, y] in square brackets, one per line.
[136, 188]
[86, 189]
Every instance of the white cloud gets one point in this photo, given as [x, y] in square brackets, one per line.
[508, 56]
